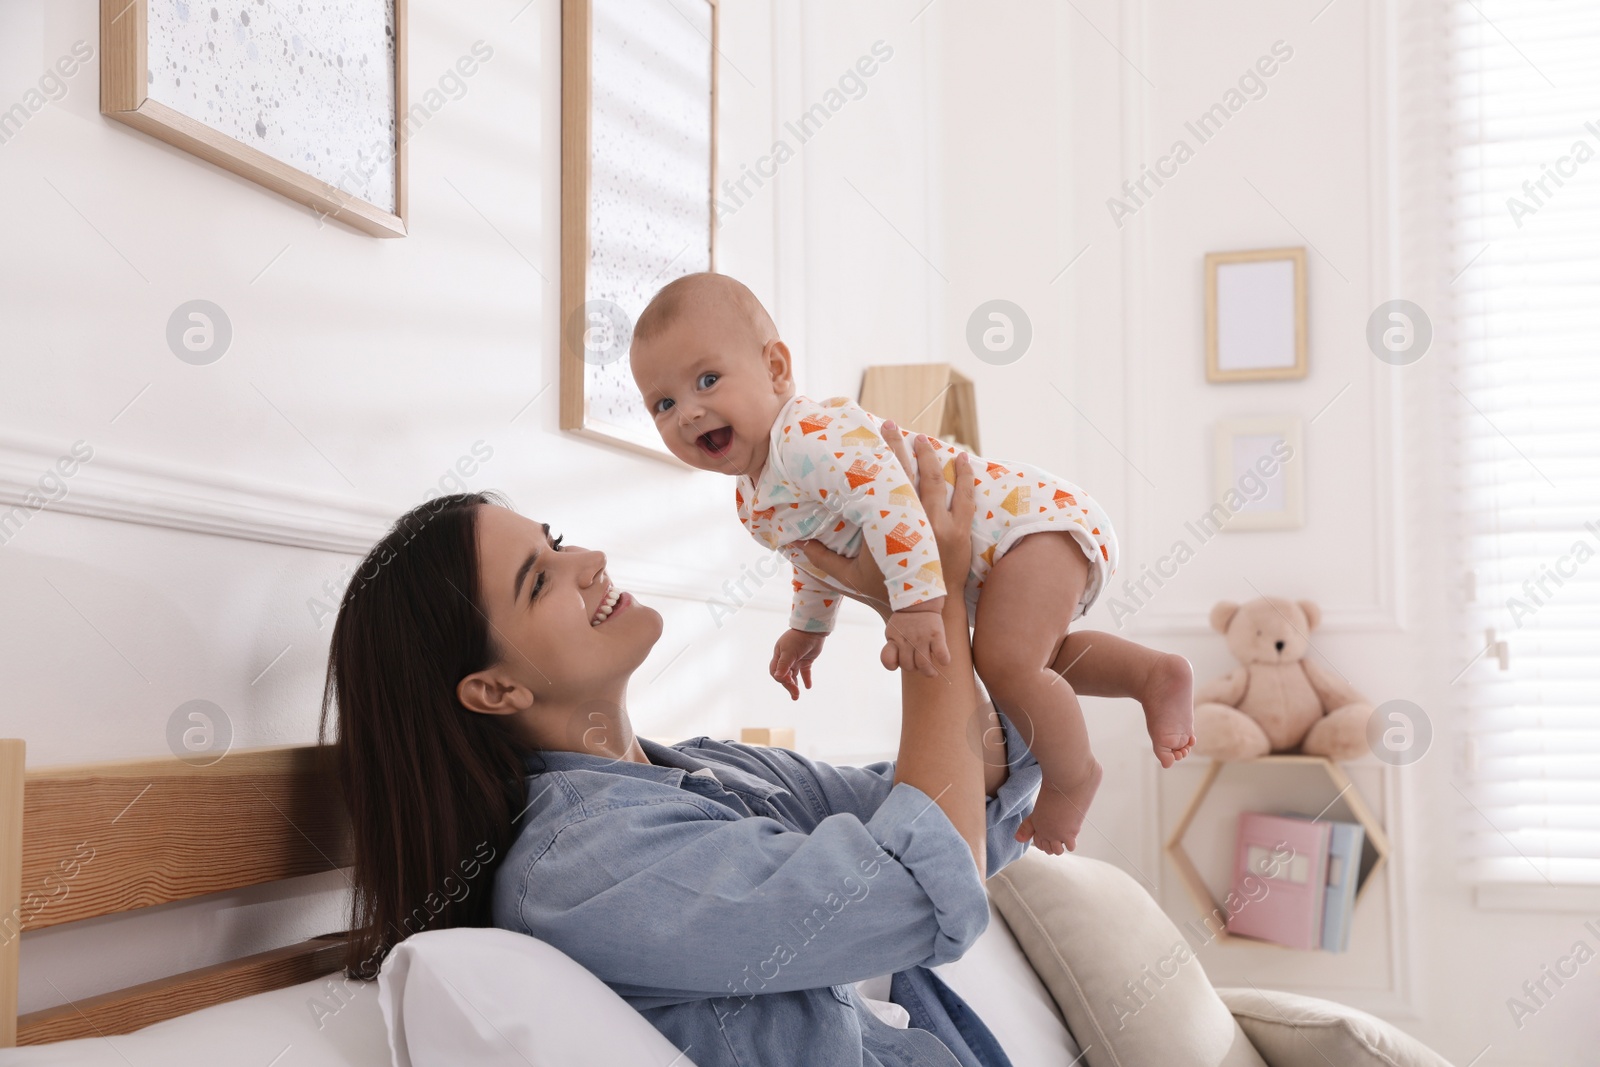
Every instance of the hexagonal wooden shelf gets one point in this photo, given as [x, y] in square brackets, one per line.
[1374, 848]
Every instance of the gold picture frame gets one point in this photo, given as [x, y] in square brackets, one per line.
[610, 262]
[1258, 472]
[1255, 315]
[125, 97]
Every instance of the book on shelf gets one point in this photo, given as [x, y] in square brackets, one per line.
[1295, 877]
[1344, 869]
[1279, 875]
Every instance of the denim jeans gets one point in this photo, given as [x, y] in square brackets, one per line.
[935, 1007]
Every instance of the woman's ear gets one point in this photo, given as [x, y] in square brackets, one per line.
[491, 693]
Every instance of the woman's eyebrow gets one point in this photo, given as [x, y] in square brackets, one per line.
[527, 565]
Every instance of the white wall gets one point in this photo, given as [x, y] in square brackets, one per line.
[976, 165]
[998, 176]
[360, 372]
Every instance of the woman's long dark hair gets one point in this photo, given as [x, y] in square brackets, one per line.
[431, 787]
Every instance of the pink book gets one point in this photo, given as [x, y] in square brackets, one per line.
[1279, 867]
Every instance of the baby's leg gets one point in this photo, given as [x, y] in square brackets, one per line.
[1104, 665]
[1028, 598]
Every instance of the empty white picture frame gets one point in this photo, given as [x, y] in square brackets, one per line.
[1256, 315]
[638, 170]
[1259, 473]
[308, 101]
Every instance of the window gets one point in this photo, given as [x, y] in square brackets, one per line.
[1525, 131]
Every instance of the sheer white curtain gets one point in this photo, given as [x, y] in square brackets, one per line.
[1524, 97]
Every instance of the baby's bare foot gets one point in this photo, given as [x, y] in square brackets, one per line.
[1168, 699]
[1058, 814]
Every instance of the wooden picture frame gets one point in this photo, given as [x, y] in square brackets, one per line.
[125, 97]
[1256, 315]
[1250, 452]
[609, 268]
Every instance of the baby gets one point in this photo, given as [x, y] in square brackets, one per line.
[718, 382]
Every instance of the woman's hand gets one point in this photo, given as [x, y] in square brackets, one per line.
[952, 526]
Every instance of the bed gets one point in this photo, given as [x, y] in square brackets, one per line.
[111, 837]
[89, 840]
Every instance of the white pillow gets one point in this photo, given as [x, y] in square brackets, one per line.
[502, 999]
[1089, 930]
[999, 984]
[497, 998]
[1290, 1030]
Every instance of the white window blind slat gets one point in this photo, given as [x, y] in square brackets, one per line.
[1524, 97]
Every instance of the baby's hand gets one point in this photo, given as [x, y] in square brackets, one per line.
[794, 652]
[916, 638]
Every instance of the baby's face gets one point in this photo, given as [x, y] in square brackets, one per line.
[712, 391]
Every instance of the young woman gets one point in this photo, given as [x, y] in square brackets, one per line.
[731, 893]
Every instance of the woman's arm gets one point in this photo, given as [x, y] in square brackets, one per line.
[939, 718]
[990, 733]
[997, 757]
[683, 898]
[943, 723]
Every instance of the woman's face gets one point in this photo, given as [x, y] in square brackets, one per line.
[544, 602]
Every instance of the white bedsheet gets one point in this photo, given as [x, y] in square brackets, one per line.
[345, 1031]
[326, 1023]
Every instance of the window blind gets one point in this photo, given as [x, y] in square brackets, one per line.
[1524, 99]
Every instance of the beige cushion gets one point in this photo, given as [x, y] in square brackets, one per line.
[1125, 979]
[1290, 1030]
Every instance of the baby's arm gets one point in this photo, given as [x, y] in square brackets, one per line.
[911, 631]
[810, 621]
[815, 606]
[841, 459]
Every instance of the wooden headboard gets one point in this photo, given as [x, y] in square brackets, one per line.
[92, 839]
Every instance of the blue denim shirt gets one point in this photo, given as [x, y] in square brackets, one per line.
[733, 893]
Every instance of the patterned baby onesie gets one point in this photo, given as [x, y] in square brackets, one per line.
[831, 477]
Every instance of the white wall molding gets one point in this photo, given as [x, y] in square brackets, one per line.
[1132, 30]
[701, 584]
[1387, 610]
[1383, 126]
[124, 487]
[789, 187]
[1195, 620]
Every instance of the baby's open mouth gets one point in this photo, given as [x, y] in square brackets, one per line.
[716, 442]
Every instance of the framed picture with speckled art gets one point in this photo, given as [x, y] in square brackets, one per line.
[307, 100]
[638, 170]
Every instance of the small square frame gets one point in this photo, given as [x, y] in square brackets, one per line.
[1226, 478]
[1215, 358]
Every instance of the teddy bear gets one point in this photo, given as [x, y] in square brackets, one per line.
[1277, 700]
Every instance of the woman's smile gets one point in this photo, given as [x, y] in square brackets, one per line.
[551, 609]
[614, 602]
